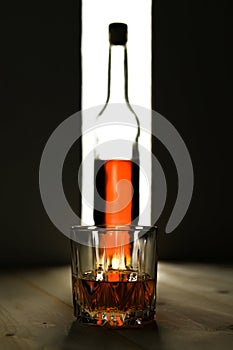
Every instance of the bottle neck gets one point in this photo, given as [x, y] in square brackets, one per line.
[117, 75]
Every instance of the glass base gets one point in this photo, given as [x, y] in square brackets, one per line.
[114, 318]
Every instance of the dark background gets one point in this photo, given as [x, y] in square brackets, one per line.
[192, 87]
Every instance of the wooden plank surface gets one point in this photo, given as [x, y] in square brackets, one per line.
[195, 311]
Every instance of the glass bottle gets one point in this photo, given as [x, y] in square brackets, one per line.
[116, 195]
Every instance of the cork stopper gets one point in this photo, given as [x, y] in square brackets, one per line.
[118, 33]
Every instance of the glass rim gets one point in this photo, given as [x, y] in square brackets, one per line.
[114, 227]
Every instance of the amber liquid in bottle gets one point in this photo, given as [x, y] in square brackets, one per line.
[108, 175]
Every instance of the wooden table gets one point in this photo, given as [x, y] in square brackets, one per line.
[195, 311]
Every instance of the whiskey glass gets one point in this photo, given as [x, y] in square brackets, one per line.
[114, 274]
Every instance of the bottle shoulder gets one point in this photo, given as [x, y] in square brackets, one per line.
[118, 113]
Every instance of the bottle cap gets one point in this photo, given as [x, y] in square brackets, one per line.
[118, 33]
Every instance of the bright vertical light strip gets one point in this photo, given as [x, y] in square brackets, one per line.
[96, 16]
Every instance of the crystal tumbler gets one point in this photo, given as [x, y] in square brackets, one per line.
[114, 273]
